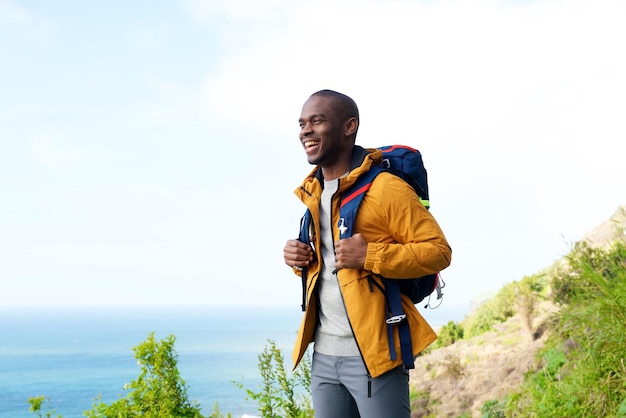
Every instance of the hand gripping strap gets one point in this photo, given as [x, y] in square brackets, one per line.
[305, 228]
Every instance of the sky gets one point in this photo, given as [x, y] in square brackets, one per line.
[149, 150]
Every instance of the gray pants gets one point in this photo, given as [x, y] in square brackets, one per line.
[339, 386]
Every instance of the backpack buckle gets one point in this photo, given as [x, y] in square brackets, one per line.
[396, 319]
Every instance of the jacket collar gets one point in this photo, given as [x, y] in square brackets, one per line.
[362, 160]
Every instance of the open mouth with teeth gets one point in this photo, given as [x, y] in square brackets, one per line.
[310, 144]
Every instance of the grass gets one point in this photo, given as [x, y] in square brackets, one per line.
[582, 372]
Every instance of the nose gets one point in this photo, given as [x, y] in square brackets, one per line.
[306, 128]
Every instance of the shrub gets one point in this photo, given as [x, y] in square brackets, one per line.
[277, 395]
[493, 311]
[453, 368]
[493, 409]
[583, 370]
[449, 334]
[515, 297]
[159, 391]
[36, 405]
[529, 290]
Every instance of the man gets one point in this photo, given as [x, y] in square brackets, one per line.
[353, 374]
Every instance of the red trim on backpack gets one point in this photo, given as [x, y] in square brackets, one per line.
[391, 148]
[354, 194]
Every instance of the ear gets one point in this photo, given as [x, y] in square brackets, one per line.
[351, 126]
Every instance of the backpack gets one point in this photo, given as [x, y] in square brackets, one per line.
[406, 163]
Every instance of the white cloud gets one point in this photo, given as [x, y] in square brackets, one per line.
[173, 103]
[150, 38]
[236, 10]
[11, 13]
[50, 151]
[19, 19]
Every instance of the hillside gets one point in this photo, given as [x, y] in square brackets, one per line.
[457, 380]
[462, 377]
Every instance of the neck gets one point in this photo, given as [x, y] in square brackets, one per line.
[332, 173]
[339, 166]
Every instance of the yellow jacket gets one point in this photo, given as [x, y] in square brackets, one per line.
[404, 241]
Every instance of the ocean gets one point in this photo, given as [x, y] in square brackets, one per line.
[73, 355]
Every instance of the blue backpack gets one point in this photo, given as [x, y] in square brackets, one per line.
[406, 163]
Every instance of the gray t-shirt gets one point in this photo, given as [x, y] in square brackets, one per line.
[333, 335]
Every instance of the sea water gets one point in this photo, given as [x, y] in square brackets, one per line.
[73, 355]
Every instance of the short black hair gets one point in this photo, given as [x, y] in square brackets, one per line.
[347, 106]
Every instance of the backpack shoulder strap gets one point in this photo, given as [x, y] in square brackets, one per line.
[305, 236]
[396, 317]
[352, 200]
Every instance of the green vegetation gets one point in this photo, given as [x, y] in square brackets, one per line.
[160, 392]
[449, 334]
[277, 396]
[515, 297]
[582, 371]
[453, 368]
[37, 405]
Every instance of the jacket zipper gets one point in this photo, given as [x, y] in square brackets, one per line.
[369, 375]
[336, 273]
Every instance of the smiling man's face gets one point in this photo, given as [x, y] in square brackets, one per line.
[324, 133]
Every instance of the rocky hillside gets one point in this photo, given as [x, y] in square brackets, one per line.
[608, 231]
[460, 378]
[457, 380]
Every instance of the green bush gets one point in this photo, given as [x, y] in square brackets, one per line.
[160, 392]
[449, 334]
[514, 297]
[37, 406]
[278, 395]
[583, 372]
[495, 310]
[493, 409]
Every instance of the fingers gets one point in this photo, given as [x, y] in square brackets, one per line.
[350, 252]
[297, 254]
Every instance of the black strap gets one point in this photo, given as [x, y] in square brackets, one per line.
[397, 318]
[305, 227]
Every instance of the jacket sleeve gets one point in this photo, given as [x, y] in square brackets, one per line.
[404, 239]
